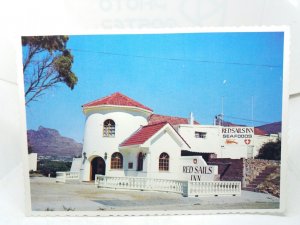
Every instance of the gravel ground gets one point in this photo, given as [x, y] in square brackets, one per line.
[47, 195]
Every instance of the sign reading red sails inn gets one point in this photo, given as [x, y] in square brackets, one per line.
[237, 135]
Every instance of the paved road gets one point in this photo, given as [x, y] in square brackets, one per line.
[46, 194]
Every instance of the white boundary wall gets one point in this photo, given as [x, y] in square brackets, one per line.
[32, 161]
[186, 188]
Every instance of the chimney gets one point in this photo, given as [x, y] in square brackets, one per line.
[191, 119]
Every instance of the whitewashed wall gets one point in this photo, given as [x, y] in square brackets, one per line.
[127, 122]
[76, 164]
[209, 172]
[234, 151]
[32, 161]
[165, 143]
[131, 156]
[211, 143]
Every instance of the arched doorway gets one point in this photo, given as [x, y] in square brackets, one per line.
[97, 167]
[140, 161]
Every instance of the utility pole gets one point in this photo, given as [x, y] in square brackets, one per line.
[252, 110]
[222, 113]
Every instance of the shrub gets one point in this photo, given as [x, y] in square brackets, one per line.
[47, 167]
[270, 151]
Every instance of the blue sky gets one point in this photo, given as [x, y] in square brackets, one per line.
[174, 74]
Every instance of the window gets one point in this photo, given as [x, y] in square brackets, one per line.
[130, 165]
[164, 162]
[140, 161]
[200, 134]
[116, 161]
[109, 128]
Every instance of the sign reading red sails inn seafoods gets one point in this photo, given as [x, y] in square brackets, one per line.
[237, 135]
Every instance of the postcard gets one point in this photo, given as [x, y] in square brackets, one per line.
[188, 121]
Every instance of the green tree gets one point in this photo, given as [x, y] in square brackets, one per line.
[270, 151]
[47, 167]
[46, 63]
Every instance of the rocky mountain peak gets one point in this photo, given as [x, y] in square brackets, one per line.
[49, 142]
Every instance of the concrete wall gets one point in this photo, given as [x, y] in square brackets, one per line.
[76, 164]
[32, 161]
[235, 152]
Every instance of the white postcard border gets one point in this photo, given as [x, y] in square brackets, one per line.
[285, 99]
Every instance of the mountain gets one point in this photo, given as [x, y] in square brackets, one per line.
[271, 128]
[48, 142]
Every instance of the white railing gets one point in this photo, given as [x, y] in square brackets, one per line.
[186, 188]
[141, 183]
[216, 188]
[64, 176]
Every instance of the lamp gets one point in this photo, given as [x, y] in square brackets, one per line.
[144, 155]
[84, 157]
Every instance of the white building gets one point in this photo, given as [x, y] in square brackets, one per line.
[125, 138]
[32, 161]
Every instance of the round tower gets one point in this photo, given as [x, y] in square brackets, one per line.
[109, 121]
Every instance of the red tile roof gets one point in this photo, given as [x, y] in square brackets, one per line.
[117, 99]
[258, 131]
[155, 118]
[143, 134]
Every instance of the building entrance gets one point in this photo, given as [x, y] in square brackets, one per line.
[97, 167]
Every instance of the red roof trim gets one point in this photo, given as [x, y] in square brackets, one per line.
[116, 99]
[144, 133]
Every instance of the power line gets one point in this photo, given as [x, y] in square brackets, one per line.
[250, 120]
[176, 59]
